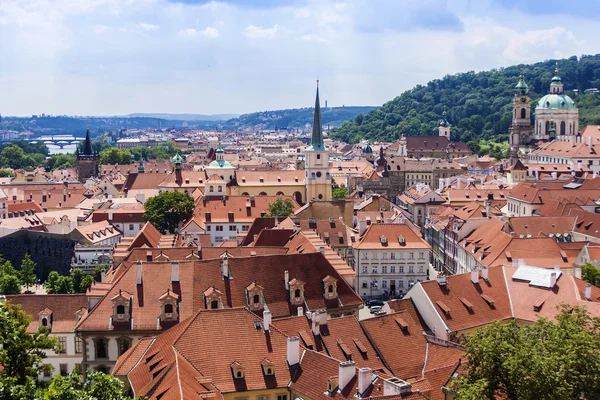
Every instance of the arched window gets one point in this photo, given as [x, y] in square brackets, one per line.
[211, 188]
[220, 188]
[44, 321]
[297, 293]
[214, 305]
[168, 308]
[120, 309]
[256, 299]
[523, 113]
[563, 128]
[124, 344]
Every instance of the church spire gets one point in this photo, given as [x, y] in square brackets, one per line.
[317, 133]
[87, 148]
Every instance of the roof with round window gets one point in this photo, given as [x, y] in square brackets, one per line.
[556, 101]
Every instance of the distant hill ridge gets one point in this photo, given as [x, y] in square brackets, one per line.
[478, 105]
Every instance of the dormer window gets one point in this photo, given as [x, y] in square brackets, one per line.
[296, 292]
[332, 385]
[255, 296]
[46, 318]
[268, 367]
[213, 298]
[121, 302]
[238, 370]
[168, 306]
[330, 287]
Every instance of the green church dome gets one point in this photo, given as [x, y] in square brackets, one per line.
[557, 101]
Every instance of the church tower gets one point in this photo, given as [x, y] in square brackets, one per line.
[520, 129]
[87, 163]
[317, 178]
[444, 126]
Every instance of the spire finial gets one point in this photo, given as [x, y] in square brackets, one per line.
[317, 82]
[556, 69]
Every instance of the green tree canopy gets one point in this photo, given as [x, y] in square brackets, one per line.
[167, 210]
[546, 360]
[14, 157]
[10, 282]
[590, 274]
[61, 161]
[27, 273]
[281, 208]
[115, 156]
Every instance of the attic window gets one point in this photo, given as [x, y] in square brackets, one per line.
[306, 338]
[238, 370]
[345, 349]
[537, 305]
[360, 346]
[44, 321]
[383, 240]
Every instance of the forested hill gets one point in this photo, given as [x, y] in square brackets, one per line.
[478, 105]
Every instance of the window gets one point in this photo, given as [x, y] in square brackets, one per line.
[63, 343]
[365, 256]
[365, 269]
[297, 293]
[208, 228]
[219, 228]
[421, 256]
[130, 227]
[231, 228]
[168, 308]
[319, 174]
[78, 345]
[220, 188]
[384, 283]
[393, 269]
[120, 309]
[330, 288]
[282, 397]
[384, 269]
[421, 268]
[101, 348]
[400, 283]
[401, 269]
[214, 304]
[392, 256]
[256, 299]
[318, 156]
[411, 256]
[47, 371]
[64, 370]
[245, 228]
[364, 285]
[124, 344]
[374, 270]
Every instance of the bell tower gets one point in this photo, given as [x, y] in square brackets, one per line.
[444, 126]
[317, 178]
[520, 129]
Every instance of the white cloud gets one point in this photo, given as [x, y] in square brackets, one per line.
[314, 38]
[209, 32]
[256, 32]
[149, 27]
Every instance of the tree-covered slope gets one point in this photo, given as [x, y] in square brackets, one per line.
[478, 105]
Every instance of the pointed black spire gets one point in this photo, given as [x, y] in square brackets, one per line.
[87, 147]
[317, 133]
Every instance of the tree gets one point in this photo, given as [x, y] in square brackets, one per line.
[115, 156]
[27, 273]
[167, 210]
[281, 208]
[4, 173]
[21, 353]
[61, 161]
[86, 283]
[14, 157]
[590, 274]
[545, 360]
[58, 284]
[338, 192]
[98, 386]
[10, 283]
[77, 276]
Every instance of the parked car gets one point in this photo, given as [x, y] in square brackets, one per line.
[371, 303]
[380, 312]
[374, 309]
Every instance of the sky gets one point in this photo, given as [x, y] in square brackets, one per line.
[114, 57]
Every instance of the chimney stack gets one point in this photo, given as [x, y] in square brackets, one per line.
[287, 280]
[174, 271]
[293, 350]
[362, 226]
[300, 311]
[315, 323]
[474, 276]
[552, 279]
[199, 251]
[347, 370]
[588, 291]
[225, 266]
[365, 377]
[138, 273]
[266, 320]
[484, 273]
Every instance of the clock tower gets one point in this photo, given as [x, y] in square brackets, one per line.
[520, 129]
[317, 179]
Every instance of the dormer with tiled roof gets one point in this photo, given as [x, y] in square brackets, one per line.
[296, 292]
[255, 296]
[329, 287]
[121, 306]
[169, 306]
[213, 298]
[45, 318]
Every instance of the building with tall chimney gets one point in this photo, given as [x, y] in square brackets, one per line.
[317, 177]
[87, 163]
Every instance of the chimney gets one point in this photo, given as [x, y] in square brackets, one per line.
[323, 317]
[365, 377]
[138, 273]
[300, 311]
[110, 216]
[141, 197]
[287, 280]
[225, 266]
[577, 272]
[347, 370]
[552, 279]
[255, 237]
[362, 226]
[474, 276]
[174, 271]
[484, 273]
[315, 323]
[588, 291]
[293, 350]
[199, 251]
[266, 320]
[488, 209]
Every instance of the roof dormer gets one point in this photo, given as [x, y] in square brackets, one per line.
[213, 298]
[168, 306]
[46, 318]
[330, 287]
[255, 296]
[268, 367]
[237, 369]
[161, 257]
[121, 306]
[296, 291]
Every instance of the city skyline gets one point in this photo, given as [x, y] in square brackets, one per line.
[114, 57]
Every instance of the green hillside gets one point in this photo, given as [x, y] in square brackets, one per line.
[478, 105]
